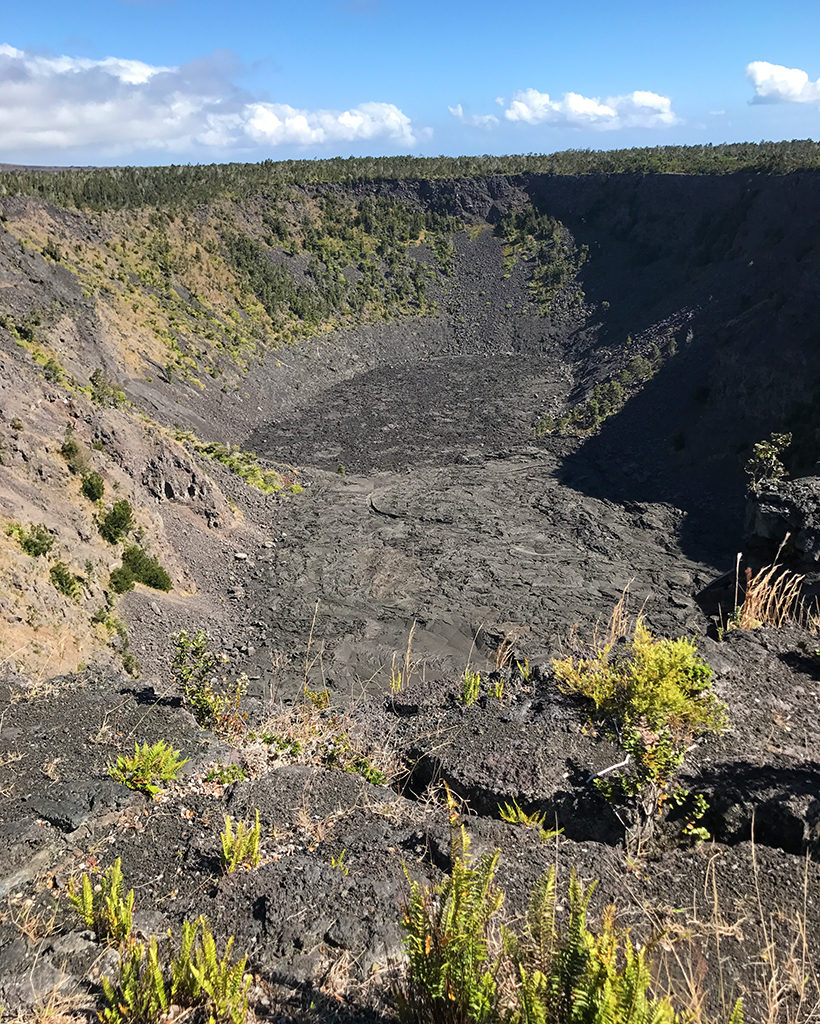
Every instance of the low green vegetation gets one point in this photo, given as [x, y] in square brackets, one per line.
[104, 616]
[107, 910]
[189, 975]
[93, 486]
[139, 567]
[470, 687]
[214, 701]
[766, 461]
[226, 774]
[514, 814]
[75, 454]
[104, 391]
[149, 766]
[466, 965]
[549, 247]
[245, 465]
[609, 397]
[340, 752]
[240, 844]
[65, 581]
[36, 541]
[118, 522]
[654, 696]
[337, 862]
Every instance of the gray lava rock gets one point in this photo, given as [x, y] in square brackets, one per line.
[783, 507]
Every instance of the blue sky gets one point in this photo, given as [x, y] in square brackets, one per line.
[163, 81]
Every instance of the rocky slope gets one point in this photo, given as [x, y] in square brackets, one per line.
[409, 516]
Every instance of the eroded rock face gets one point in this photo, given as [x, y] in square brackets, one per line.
[792, 507]
[171, 475]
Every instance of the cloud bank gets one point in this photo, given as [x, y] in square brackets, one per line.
[774, 83]
[114, 106]
[637, 109]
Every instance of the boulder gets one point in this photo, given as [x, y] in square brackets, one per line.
[777, 508]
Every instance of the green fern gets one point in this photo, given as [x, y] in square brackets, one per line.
[106, 911]
[737, 1016]
[224, 983]
[240, 845]
[148, 766]
[462, 969]
[452, 975]
[139, 995]
[470, 687]
[196, 977]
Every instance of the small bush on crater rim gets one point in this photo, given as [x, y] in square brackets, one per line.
[93, 486]
[655, 696]
[215, 703]
[64, 580]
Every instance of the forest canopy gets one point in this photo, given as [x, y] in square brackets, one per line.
[192, 184]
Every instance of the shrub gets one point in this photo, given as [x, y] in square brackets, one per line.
[655, 696]
[148, 765]
[130, 664]
[194, 669]
[240, 845]
[765, 462]
[36, 541]
[75, 454]
[121, 579]
[104, 391]
[65, 581]
[118, 521]
[52, 250]
[146, 569]
[52, 371]
[93, 486]
[106, 911]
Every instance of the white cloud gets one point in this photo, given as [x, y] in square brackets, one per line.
[775, 83]
[476, 120]
[275, 123]
[115, 106]
[637, 109]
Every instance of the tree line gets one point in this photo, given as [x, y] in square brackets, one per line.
[189, 185]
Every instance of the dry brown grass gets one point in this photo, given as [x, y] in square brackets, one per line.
[789, 970]
[620, 625]
[773, 596]
[33, 924]
[700, 947]
[58, 1007]
[504, 652]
